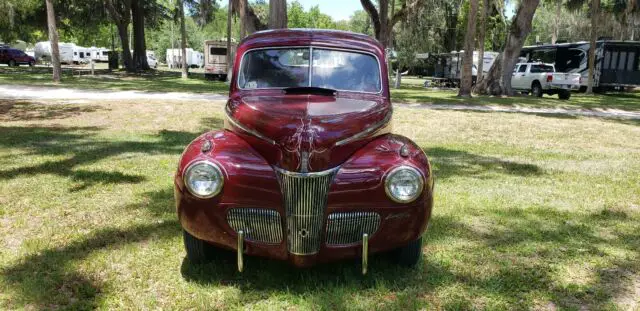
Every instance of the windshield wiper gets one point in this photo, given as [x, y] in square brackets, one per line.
[310, 90]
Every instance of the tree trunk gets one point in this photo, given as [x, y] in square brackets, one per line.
[139, 45]
[595, 11]
[481, 36]
[53, 40]
[183, 41]
[498, 80]
[556, 22]
[123, 32]
[249, 21]
[382, 22]
[120, 11]
[277, 14]
[466, 80]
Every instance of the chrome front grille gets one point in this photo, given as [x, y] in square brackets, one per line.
[262, 225]
[347, 228]
[305, 200]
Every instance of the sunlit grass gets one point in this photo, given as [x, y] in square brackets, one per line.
[531, 212]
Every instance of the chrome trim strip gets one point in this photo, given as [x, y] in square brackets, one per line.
[308, 174]
[371, 129]
[310, 47]
[239, 125]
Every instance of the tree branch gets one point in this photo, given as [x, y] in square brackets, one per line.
[373, 15]
[400, 14]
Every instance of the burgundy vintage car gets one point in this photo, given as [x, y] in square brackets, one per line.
[306, 169]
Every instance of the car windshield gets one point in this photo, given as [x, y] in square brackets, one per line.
[332, 69]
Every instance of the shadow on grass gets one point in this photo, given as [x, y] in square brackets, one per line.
[150, 81]
[514, 261]
[449, 163]
[80, 146]
[11, 110]
[47, 279]
[623, 101]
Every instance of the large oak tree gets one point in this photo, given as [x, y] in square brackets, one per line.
[382, 21]
[498, 79]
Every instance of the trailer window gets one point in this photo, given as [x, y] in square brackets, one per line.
[614, 60]
[631, 59]
[607, 60]
[623, 61]
[217, 51]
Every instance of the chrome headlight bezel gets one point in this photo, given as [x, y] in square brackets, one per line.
[216, 169]
[393, 172]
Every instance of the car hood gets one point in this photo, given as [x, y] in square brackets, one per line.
[308, 133]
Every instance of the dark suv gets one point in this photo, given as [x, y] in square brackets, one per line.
[14, 57]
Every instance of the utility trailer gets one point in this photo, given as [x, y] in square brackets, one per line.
[617, 62]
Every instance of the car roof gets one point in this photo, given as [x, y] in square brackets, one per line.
[314, 37]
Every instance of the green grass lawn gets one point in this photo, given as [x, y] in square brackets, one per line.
[153, 81]
[531, 212]
[167, 80]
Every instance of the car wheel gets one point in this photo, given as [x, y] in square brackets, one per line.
[197, 250]
[536, 89]
[564, 95]
[410, 254]
[32, 63]
[12, 63]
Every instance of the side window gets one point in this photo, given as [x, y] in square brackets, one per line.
[515, 69]
[523, 68]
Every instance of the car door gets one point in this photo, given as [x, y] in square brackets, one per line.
[520, 74]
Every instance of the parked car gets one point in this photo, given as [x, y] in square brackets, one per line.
[15, 57]
[306, 169]
[540, 78]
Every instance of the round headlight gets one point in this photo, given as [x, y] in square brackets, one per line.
[404, 184]
[203, 179]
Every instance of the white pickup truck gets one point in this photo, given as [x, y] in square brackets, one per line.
[540, 78]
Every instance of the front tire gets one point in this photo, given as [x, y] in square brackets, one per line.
[536, 89]
[32, 63]
[12, 63]
[564, 95]
[197, 250]
[410, 254]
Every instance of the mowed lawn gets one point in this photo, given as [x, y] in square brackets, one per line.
[410, 92]
[531, 212]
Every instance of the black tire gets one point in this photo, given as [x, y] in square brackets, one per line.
[564, 95]
[536, 89]
[410, 254]
[198, 251]
[12, 63]
[32, 63]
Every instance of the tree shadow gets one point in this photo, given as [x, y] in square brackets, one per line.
[81, 146]
[11, 110]
[46, 278]
[449, 163]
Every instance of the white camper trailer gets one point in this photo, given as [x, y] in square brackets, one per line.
[193, 58]
[42, 52]
[81, 54]
[453, 65]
